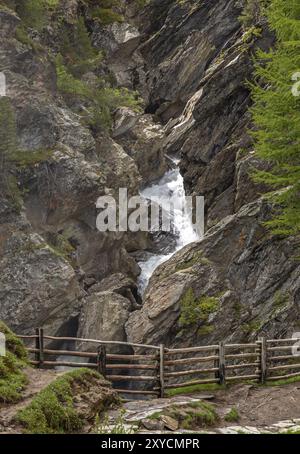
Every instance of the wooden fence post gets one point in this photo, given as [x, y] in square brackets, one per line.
[101, 360]
[263, 359]
[37, 345]
[161, 370]
[40, 333]
[216, 364]
[222, 368]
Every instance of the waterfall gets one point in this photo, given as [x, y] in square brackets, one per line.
[171, 185]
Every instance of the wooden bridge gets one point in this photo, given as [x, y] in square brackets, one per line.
[153, 370]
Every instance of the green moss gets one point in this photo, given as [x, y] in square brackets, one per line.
[156, 415]
[291, 432]
[252, 11]
[194, 389]
[194, 311]
[102, 100]
[23, 37]
[205, 330]
[30, 158]
[201, 414]
[280, 299]
[251, 327]
[53, 410]
[120, 425]
[250, 34]
[197, 258]
[12, 378]
[106, 16]
[13, 343]
[232, 416]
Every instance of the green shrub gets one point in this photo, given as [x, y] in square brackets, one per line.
[12, 378]
[8, 146]
[194, 311]
[252, 12]
[232, 416]
[52, 410]
[106, 16]
[102, 100]
[202, 414]
[76, 48]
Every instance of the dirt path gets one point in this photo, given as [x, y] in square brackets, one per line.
[37, 380]
[260, 409]
[261, 405]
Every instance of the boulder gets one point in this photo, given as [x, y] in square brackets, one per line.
[170, 423]
[103, 317]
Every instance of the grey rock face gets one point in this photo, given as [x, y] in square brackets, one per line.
[52, 247]
[190, 61]
[38, 286]
[116, 38]
[103, 317]
[252, 278]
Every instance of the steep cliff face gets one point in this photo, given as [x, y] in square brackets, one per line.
[238, 282]
[189, 61]
[51, 251]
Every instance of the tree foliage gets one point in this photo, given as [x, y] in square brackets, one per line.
[276, 113]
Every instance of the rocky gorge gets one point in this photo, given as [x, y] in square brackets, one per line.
[184, 65]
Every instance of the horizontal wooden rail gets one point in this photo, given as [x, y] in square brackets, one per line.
[200, 359]
[242, 377]
[283, 358]
[279, 347]
[240, 346]
[132, 357]
[241, 355]
[175, 351]
[162, 366]
[192, 383]
[284, 377]
[241, 366]
[282, 341]
[132, 377]
[191, 372]
[285, 366]
[64, 363]
[132, 366]
[65, 353]
[100, 342]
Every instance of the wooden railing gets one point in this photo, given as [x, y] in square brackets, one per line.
[152, 370]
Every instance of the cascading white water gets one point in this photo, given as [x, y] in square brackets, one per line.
[171, 185]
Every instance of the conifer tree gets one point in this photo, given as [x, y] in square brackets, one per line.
[276, 115]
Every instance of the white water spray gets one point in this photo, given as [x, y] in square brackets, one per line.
[169, 186]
